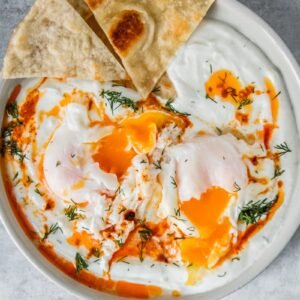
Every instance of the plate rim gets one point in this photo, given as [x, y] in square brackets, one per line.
[26, 247]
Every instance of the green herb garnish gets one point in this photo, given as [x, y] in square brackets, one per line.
[157, 165]
[80, 263]
[284, 148]
[116, 100]
[169, 106]
[278, 172]
[52, 230]
[254, 211]
[173, 182]
[145, 235]
[244, 103]
[13, 110]
[72, 213]
[237, 188]
[210, 98]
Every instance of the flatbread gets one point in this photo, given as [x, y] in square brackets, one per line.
[82, 8]
[54, 41]
[146, 34]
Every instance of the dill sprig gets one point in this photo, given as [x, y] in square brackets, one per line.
[284, 148]
[157, 165]
[8, 130]
[8, 144]
[52, 230]
[244, 103]
[13, 110]
[210, 98]
[145, 235]
[219, 131]
[116, 100]
[277, 172]
[173, 182]
[237, 188]
[177, 215]
[277, 95]
[254, 211]
[12, 147]
[72, 213]
[80, 263]
[169, 106]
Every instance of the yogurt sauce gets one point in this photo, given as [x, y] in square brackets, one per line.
[214, 46]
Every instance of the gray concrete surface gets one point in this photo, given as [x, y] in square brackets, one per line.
[280, 281]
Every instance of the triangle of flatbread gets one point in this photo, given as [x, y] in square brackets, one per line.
[146, 34]
[82, 8]
[54, 41]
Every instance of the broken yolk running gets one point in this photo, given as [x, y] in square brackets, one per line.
[136, 135]
[206, 215]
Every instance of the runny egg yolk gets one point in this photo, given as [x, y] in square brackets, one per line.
[226, 85]
[136, 135]
[206, 215]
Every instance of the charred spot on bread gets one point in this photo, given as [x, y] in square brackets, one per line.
[127, 31]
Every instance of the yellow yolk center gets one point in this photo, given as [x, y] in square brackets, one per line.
[136, 135]
[206, 215]
[226, 85]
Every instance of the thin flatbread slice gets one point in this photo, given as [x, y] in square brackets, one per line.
[54, 41]
[82, 8]
[146, 34]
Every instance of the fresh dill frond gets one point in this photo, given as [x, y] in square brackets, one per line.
[16, 176]
[237, 188]
[80, 263]
[169, 106]
[12, 147]
[284, 148]
[72, 213]
[52, 230]
[277, 95]
[13, 110]
[177, 212]
[119, 243]
[145, 235]
[173, 182]
[157, 165]
[244, 103]
[210, 98]
[38, 192]
[122, 210]
[277, 172]
[116, 100]
[8, 130]
[219, 131]
[254, 211]
[235, 258]
[122, 260]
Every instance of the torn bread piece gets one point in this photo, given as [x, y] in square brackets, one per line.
[147, 34]
[54, 41]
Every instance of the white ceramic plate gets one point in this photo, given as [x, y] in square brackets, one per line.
[246, 22]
